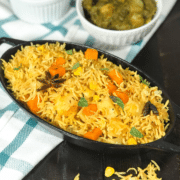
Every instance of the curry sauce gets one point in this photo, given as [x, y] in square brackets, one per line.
[119, 14]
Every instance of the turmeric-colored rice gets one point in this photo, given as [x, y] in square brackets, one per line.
[59, 106]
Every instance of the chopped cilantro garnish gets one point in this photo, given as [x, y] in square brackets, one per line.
[134, 132]
[118, 101]
[18, 67]
[104, 69]
[83, 102]
[69, 51]
[144, 81]
[76, 65]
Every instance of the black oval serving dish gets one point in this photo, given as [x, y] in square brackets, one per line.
[160, 144]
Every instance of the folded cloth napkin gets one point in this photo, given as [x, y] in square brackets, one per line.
[23, 141]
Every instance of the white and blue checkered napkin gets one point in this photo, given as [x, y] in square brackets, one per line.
[23, 141]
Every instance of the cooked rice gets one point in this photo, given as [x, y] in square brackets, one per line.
[148, 173]
[54, 104]
[77, 177]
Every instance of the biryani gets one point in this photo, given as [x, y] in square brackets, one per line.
[87, 95]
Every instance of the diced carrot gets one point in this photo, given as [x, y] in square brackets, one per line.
[111, 87]
[60, 61]
[94, 135]
[123, 96]
[91, 54]
[93, 107]
[115, 76]
[90, 135]
[32, 104]
[97, 131]
[54, 69]
[90, 109]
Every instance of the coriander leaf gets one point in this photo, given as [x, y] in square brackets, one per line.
[103, 69]
[118, 101]
[18, 67]
[69, 51]
[134, 132]
[144, 81]
[76, 65]
[83, 102]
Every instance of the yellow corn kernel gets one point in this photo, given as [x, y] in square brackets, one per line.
[131, 141]
[134, 108]
[95, 97]
[40, 48]
[92, 85]
[78, 71]
[30, 75]
[145, 86]
[109, 171]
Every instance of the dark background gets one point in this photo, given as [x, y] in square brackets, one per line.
[160, 59]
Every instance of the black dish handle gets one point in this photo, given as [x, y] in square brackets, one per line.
[11, 41]
[162, 144]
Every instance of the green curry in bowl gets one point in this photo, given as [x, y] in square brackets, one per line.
[119, 14]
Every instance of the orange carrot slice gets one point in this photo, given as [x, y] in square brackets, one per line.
[94, 135]
[90, 109]
[32, 104]
[115, 76]
[111, 87]
[60, 61]
[91, 54]
[123, 96]
[54, 69]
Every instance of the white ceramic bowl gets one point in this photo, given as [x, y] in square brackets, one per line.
[114, 37]
[40, 11]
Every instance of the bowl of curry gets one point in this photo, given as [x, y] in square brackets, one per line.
[120, 22]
